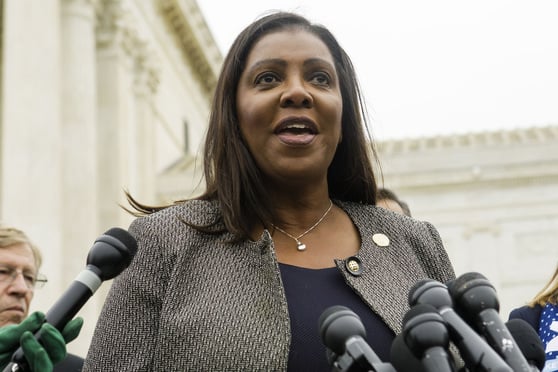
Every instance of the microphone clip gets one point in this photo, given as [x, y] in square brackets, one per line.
[358, 356]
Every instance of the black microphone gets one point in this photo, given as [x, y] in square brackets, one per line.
[528, 341]
[343, 333]
[426, 334]
[475, 299]
[476, 353]
[111, 253]
[402, 358]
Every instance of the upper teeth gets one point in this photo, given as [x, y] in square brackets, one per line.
[296, 126]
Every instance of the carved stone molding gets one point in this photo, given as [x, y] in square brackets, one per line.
[188, 26]
[116, 29]
[471, 140]
[481, 227]
[81, 3]
[146, 74]
[508, 157]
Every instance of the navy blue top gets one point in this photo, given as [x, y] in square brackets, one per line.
[531, 315]
[72, 363]
[309, 292]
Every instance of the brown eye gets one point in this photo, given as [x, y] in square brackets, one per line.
[321, 78]
[266, 78]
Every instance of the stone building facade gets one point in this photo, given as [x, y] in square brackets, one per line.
[98, 97]
[102, 96]
[493, 197]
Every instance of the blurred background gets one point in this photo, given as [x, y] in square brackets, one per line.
[433, 67]
[103, 96]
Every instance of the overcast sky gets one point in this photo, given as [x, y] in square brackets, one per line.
[433, 67]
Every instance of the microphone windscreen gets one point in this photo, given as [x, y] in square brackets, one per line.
[111, 253]
[402, 358]
[337, 324]
[125, 237]
[416, 288]
[528, 341]
[471, 294]
[456, 285]
[431, 292]
[418, 310]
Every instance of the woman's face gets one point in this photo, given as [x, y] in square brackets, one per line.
[289, 106]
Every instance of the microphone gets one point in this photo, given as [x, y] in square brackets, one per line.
[111, 253]
[402, 358]
[343, 333]
[426, 335]
[528, 342]
[476, 353]
[476, 301]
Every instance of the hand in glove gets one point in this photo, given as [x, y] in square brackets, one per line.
[40, 356]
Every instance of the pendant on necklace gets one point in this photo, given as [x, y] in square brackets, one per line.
[300, 246]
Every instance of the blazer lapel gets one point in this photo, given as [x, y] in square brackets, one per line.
[390, 268]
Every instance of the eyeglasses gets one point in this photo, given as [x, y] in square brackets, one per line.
[9, 274]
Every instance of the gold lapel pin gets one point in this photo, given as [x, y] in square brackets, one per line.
[381, 240]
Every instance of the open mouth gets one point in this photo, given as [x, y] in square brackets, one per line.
[296, 131]
[296, 128]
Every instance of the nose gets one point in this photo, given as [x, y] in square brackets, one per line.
[296, 94]
[18, 284]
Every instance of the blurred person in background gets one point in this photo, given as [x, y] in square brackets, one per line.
[20, 261]
[387, 199]
[542, 314]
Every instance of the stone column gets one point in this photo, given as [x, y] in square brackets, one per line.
[32, 191]
[115, 41]
[79, 148]
[142, 145]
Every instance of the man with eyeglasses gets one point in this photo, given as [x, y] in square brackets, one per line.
[20, 261]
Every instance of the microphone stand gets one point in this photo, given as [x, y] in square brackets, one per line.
[358, 357]
[13, 367]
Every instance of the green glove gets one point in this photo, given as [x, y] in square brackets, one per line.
[10, 335]
[72, 329]
[52, 349]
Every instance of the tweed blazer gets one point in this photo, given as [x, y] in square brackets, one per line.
[193, 301]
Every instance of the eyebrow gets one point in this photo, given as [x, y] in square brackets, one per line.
[265, 62]
[282, 63]
[25, 269]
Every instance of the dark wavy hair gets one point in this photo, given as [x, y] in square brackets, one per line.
[232, 176]
[384, 193]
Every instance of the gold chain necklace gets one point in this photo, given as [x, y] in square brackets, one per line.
[300, 246]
